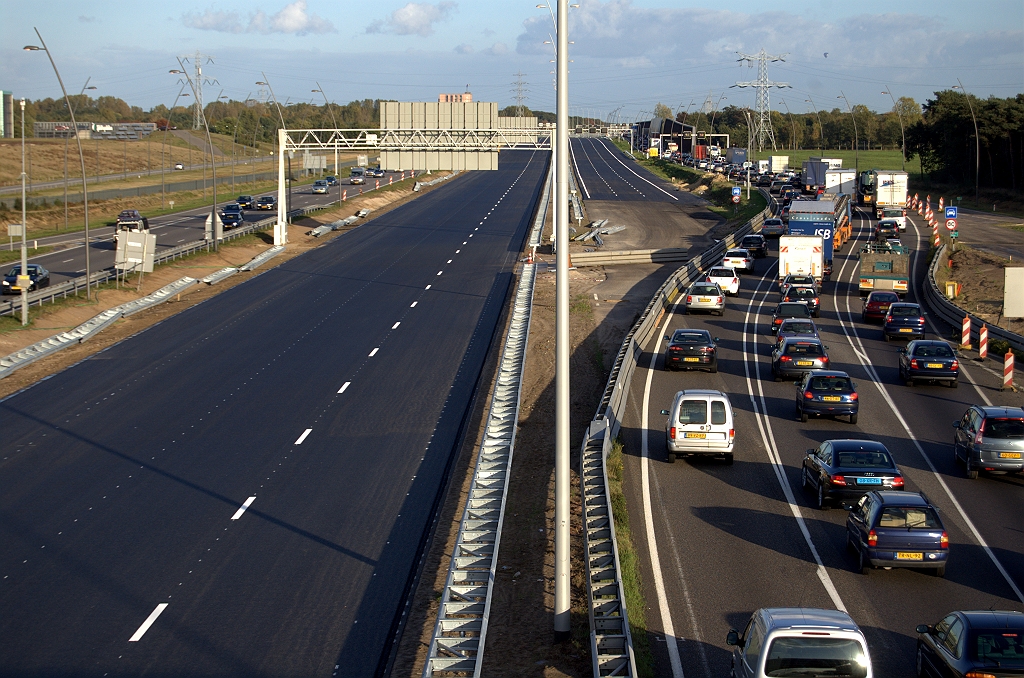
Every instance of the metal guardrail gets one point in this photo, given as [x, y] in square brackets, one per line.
[611, 644]
[432, 182]
[460, 633]
[223, 273]
[954, 315]
[616, 257]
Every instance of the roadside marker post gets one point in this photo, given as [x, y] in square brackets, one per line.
[344, 195]
[965, 334]
[1008, 371]
[983, 341]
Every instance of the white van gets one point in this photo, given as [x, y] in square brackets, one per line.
[700, 422]
[357, 176]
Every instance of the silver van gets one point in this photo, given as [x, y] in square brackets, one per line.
[795, 641]
[700, 422]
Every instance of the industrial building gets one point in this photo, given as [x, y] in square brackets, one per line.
[6, 115]
[119, 131]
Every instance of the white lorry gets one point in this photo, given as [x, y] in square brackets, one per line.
[801, 255]
[890, 192]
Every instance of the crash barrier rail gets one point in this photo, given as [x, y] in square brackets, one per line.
[577, 199]
[611, 644]
[616, 257]
[262, 258]
[954, 315]
[457, 644]
[434, 182]
[223, 273]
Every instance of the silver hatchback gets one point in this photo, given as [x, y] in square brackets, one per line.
[705, 296]
[990, 439]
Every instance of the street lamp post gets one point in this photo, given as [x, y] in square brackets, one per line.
[215, 224]
[792, 122]
[66, 137]
[856, 141]
[333, 120]
[281, 228]
[903, 134]
[81, 158]
[23, 277]
[977, 141]
[820, 128]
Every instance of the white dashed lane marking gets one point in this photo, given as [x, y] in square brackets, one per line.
[149, 622]
[241, 510]
[344, 386]
[374, 352]
[305, 433]
[395, 326]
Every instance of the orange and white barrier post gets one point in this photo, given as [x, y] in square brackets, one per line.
[378, 184]
[942, 202]
[965, 333]
[983, 341]
[935, 235]
[391, 179]
[344, 195]
[1008, 371]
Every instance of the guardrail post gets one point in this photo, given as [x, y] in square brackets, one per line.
[1008, 371]
[983, 341]
[965, 333]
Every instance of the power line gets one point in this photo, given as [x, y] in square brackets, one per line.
[763, 124]
[520, 93]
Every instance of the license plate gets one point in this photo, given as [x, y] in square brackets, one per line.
[804, 363]
[691, 360]
[704, 300]
[869, 481]
[903, 555]
[906, 329]
[831, 399]
[935, 366]
[1009, 455]
[696, 435]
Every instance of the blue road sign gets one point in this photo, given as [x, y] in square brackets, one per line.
[736, 190]
[951, 213]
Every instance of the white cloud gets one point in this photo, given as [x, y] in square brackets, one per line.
[464, 48]
[497, 49]
[416, 18]
[292, 19]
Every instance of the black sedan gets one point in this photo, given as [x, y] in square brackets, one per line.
[231, 215]
[903, 320]
[38, 277]
[266, 202]
[829, 393]
[796, 327]
[691, 349]
[805, 295]
[972, 643]
[796, 357]
[788, 309]
[246, 202]
[849, 469]
[756, 245]
[929, 360]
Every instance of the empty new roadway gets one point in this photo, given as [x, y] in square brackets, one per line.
[246, 488]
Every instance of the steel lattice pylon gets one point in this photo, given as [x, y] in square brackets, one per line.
[197, 105]
[763, 125]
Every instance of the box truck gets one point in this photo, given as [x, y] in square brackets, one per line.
[803, 255]
[779, 163]
[841, 181]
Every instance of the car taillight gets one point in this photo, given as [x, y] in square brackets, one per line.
[897, 481]
[735, 280]
[672, 432]
[816, 301]
[708, 279]
[707, 349]
[824, 359]
[913, 363]
[689, 299]
[718, 300]
[921, 320]
[778, 321]
[808, 395]
[978, 674]
[872, 538]
[837, 479]
[853, 396]
[944, 541]
[784, 358]
[979, 438]
[732, 434]
[955, 365]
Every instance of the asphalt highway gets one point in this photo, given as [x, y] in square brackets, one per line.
[720, 541]
[604, 174]
[171, 230]
[246, 488]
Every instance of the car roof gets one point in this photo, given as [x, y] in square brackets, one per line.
[847, 444]
[903, 303]
[690, 330]
[701, 392]
[896, 498]
[929, 342]
[828, 373]
[783, 617]
[1004, 619]
[996, 411]
[784, 305]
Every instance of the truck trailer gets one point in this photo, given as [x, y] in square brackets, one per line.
[827, 218]
[883, 266]
[890, 191]
[802, 255]
[841, 181]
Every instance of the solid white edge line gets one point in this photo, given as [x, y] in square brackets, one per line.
[303, 436]
[652, 541]
[241, 510]
[344, 386]
[149, 622]
[578, 175]
[771, 447]
[862, 357]
[616, 156]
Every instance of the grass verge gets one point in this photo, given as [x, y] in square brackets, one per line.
[629, 564]
[7, 256]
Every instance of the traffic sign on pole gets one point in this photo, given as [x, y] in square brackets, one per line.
[951, 212]
[736, 190]
[736, 199]
[950, 224]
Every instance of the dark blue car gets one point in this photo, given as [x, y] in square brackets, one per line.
[972, 643]
[231, 215]
[929, 360]
[846, 470]
[827, 392]
[903, 320]
[897, 529]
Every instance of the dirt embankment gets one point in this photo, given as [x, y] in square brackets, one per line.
[980, 276]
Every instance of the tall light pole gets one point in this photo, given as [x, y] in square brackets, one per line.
[792, 122]
[903, 134]
[215, 225]
[81, 157]
[334, 121]
[856, 141]
[281, 228]
[23, 279]
[714, 112]
[977, 141]
[820, 128]
[66, 137]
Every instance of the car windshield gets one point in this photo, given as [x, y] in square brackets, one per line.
[831, 384]
[905, 311]
[722, 273]
[794, 309]
[736, 253]
[751, 242]
[705, 289]
[689, 338]
[801, 280]
[801, 348]
[1001, 428]
[909, 517]
[933, 351]
[1005, 646]
[892, 213]
[800, 292]
[772, 222]
[815, 656]
[693, 412]
[884, 298]
[798, 328]
[864, 459]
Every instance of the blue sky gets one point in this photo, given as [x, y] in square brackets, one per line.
[628, 55]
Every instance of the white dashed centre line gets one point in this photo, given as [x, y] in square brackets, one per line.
[146, 624]
[457, 251]
[428, 287]
[449, 261]
[344, 386]
[241, 510]
[303, 436]
[413, 304]
[440, 272]
[395, 326]
[67, 260]
[374, 352]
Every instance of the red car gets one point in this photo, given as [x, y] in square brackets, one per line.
[876, 306]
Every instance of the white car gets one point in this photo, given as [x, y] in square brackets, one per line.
[179, 166]
[739, 259]
[725, 278]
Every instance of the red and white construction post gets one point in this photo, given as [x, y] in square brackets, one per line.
[1008, 371]
[983, 341]
[965, 333]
